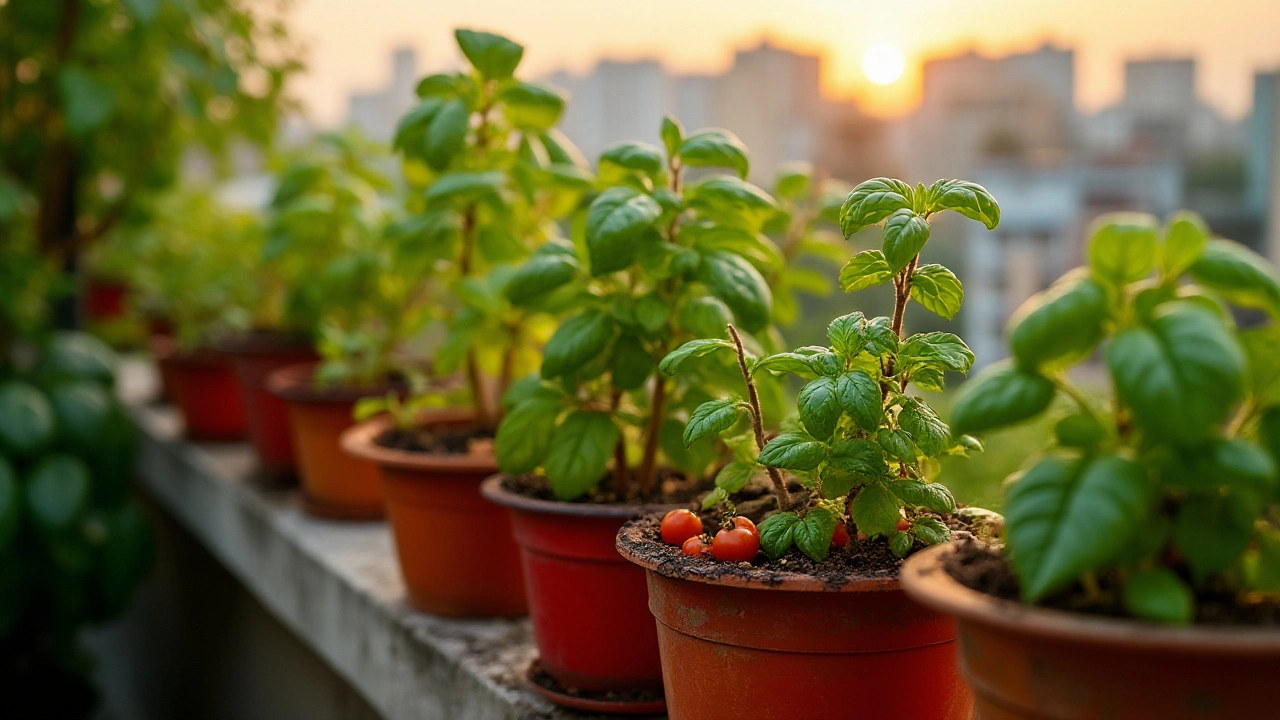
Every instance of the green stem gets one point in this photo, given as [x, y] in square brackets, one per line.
[757, 420]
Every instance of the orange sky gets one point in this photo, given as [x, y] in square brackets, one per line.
[350, 40]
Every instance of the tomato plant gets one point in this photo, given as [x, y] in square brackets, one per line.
[1169, 481]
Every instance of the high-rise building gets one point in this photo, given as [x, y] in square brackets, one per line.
[1263, 125]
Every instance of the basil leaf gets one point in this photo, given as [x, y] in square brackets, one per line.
[691, 349]
[793, 451]
[525, 435]
[873, 201]
[1241, 276]
[967, 198]
[929, 432]
[578, 341]
[494, 56]
[813, 534]
[776, 533]
[616, 222]
[741, 287]
[937, 289]
[1000, 395]
[905, 234]
[930, 495]
[859, 396]
[1160, 595]
[579, 454]
[1060, 325]
[1185, 239]
[715, 148]
[712, 418]
[819, 408]
[1122, 247]
[876, 510]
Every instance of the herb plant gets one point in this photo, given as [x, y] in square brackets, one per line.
[660, 259]
[862, 446]
[804, 236]
[1168, 486]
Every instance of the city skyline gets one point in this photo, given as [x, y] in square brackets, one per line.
[1230, 40]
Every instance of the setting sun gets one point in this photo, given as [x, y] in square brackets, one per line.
[883, 64]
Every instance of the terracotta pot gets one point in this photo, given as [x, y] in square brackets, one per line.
[335, 485]
[254, 356]
[793, 646]
[587, 603]
[1028, 663]
[456, 551]
[103, 299]
[203, 387]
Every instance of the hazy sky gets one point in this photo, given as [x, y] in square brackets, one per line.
[350, 41]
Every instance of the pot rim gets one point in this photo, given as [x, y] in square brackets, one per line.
[265, 341]
[782, 581]
[493, 490]
[293, 383]
[929, 584]
[359, 441]
[164, 348]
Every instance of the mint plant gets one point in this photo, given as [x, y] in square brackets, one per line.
[659, 260]
[1168, 485]
[488, 176]
[861, 446]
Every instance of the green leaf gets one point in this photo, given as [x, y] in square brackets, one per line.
[794, 181]
[653, 311]
[878, 337]
[930, 495]
[632, 156]
[736, 475]
[776, 536]
[82, 410]
[852, 462]
[616, 222]
[1185, 239]
[578, 341]
[793, 451]
[741, 287]
[929, 432]
[1079, 431]
[10, 505]
[1160, 595]
[446, 134]
[866, 269]
[524, 436]
[755, 247]
[1241, 276]
[73, 355]
[731, 201]
[876, 510]
[1180, 374]
[57, 490]
[1059, 326]
[873, 201]
[937, 289]
[1259, 346]
[704, 316]
[462, 187]
[494, 56]
[550, 267]
[819, 407]
[905, 234]
[1000, 395]
[87, 102]
[813, 534]
[26, 420]
[845, 334]
[437, 86]
[785, 363]
[712, 418]
[579, 455]
[941, 350]
[672, 134]
[930, 530]
[1065, 519]
[715, 148]
[691, 349]
[1213, 530]
[1122, 247]
[900, 543]
[859, 396]
[967, 198]
[631, 364]
[897, 444]
[531, 106]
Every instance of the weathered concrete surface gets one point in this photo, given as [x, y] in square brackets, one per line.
[335, 585]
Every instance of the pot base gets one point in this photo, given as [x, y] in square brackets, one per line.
[349, 513]
[547, 687]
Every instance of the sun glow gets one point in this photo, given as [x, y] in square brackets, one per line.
[883, 64]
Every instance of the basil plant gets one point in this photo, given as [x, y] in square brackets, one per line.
[804, 239]
[1168, 484]
[489, 177]
[662, 257]
[862, 446]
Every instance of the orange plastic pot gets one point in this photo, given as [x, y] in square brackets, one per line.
[335, 485]
[1028, 663]
[792, 646]
[254, 356]
[202, 385]
[455, 550]
[588, 605]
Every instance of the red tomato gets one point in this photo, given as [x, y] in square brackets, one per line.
[696, 545]
[680, 525]
[904, 525]
[745, 524]
[736, 545]
[841, 536]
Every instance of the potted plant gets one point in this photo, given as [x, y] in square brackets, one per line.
[793, 616]
[489, 176]
[595, 441]
[1144, 536]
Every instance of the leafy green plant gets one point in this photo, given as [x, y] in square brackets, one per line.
[862, 447]
[1169, 485]
[805, 237]
[489, 175]
[657, 261]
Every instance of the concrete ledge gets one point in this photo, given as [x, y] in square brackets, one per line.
[335, 585]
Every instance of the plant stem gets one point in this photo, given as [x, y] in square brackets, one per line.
[757, 420]
[902, 296]
[621, 472]
[475, 381]
[657, 403]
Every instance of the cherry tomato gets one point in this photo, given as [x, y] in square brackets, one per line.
[680, 525]
[736, 545]
[862, 537]
[696, 545]
[904, 525]
[745, 524]
[841, 536]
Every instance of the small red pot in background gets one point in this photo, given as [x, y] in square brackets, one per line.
[103, 300]
[203, 386]
[254, 356]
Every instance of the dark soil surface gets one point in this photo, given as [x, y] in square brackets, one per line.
[540, 677]
[859, 560]
[987, 570]
[672, 488]
[460, 439]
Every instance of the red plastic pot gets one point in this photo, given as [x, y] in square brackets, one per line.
[335, 485]
[202, 385]
[254, 356]
[789, 645]
[587, 603]
[103, 299]
[455, 550]
[1028, 663]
